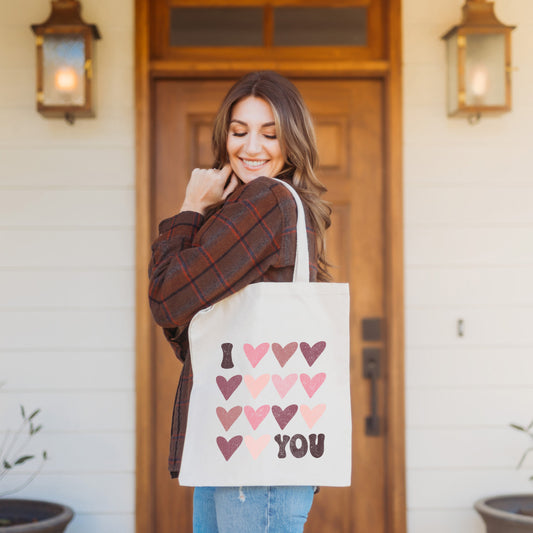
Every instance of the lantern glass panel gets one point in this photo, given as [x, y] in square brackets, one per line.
[485, 70]
[64, 70]
[453, 76]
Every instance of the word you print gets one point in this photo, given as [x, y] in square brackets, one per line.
[307, 405]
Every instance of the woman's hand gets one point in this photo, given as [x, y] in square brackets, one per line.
[207, 187]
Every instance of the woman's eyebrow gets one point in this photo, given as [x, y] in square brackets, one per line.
[265, 125]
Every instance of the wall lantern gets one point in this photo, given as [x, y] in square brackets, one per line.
[479, 63]
[65, 62]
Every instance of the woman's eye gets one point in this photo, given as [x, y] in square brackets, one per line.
[270, 136]
[238, 134]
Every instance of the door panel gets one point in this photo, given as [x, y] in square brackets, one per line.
[348, 117]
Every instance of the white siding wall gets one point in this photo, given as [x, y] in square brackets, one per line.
[469, 255]
[67, 270]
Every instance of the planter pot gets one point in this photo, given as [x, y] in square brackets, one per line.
[44, 517]
[507, 514]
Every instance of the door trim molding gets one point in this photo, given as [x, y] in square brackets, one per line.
[390, 71]
[144, 508]
[394, 278]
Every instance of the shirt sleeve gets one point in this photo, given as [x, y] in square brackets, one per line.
[195, 265]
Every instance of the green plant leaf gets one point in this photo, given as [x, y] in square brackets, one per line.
[33, 430]
[7, 466]
[34, 414]
[23, 459]
[519, 428]
[45, 455]
[23, 412]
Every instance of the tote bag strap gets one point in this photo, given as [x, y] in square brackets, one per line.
[301, 263]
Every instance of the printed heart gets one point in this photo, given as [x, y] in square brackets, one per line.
[311, 385]
[228, 447]
[284, 416]
[227, 418]
[284, 385]
[283, 354]
[256, 446]
[256, 385]
[256, 416]
[311, 354]
[255, 355]
[228, 386]
[312, 415]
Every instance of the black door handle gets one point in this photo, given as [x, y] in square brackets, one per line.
[371, 371]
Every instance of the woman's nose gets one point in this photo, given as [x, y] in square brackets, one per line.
[253, 145]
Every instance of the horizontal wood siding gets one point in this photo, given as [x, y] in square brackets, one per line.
[469, 255]
[67, 231]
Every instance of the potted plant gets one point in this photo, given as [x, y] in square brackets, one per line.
[509, 513]
[20, 515]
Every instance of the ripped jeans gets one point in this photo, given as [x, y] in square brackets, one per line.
[251, 509]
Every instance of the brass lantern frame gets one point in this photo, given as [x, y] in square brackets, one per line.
[479, 18]
[65, 20]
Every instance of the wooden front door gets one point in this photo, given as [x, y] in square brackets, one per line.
[349, 121]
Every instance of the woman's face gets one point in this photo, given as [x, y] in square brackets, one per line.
[252, 145]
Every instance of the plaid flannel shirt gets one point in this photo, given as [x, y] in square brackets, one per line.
[197, 262]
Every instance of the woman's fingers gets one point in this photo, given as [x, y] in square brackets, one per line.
[232, 185]
[207, 187]
[211, 178]
[225, 171]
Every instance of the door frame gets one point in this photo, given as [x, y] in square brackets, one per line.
[390, 71]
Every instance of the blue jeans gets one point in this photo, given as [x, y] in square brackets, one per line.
[251, 509]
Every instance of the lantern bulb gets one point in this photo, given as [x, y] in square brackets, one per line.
[66, 79]
[479, 81]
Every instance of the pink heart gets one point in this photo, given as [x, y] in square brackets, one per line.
[227, 386]
[284, 385]
[284, 416]
[256, 446]
[255, 386]
[311, 354]
[256, 416]
[227, 418]
[312, 415]
[311, 385]
[283, 354]
[228, 447]
[255, 355]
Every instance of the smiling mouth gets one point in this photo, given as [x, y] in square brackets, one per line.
[250, 163]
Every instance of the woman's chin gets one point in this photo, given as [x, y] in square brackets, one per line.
[247, 177]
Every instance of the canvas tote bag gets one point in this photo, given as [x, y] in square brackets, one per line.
[270, 401]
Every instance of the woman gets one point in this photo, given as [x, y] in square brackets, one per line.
[237, 226]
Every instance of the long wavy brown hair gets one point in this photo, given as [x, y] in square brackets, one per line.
[296, 134]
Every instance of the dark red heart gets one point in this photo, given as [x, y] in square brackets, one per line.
[229, 447]
[284, 416]
[228, 386]
[311, 354]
